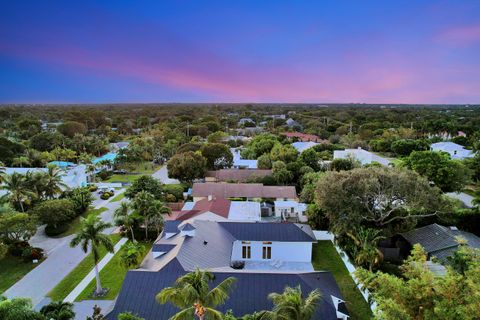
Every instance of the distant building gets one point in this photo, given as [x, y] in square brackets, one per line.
[456, 151]
[302, 146]
[304, 137]
[363, 156]
[249, 191]
[290, 209]
[292, 123]
[236, 175]
[244, 121]
[239, 163]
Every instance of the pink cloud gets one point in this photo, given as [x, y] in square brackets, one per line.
[463, 35]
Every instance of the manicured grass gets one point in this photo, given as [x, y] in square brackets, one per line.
[326, 258]
[13, 269]
[118, 197]
[139, 169]
[75, 224]
[111, 276]
[123, 178]
[63, 289]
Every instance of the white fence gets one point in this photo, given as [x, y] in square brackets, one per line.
[325, 235]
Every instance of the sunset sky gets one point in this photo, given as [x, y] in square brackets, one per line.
[240, 51]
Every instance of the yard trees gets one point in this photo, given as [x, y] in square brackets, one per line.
[53, 183]
[90, 235]
[131, 255]
[193, 295]
[187, 166]
[218, 156]
[264, 161]
[286, 153]
[16, 227]
[366, 253]
[420, 295]
[379, 197]
[281, 173]
[56, 214]
[81, 198]
[145, 183]
[292, 305]
[58, 310]
[311, 158]
[19, 309]
[124, 218]
[71, 128]
[17, 191]
[449, 175]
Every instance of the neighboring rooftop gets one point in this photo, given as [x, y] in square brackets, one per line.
[440, 241]
[456, 151]
[303, 136]
[363, 156]
[302, 146]
[237, 175]
[242, 190]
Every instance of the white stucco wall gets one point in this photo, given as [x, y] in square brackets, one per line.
[283, 251]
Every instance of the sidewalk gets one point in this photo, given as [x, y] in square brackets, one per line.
[91, 275]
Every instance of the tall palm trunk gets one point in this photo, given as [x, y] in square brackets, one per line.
[21, 205]
[146, 228]
[97, 277]
[133, 235]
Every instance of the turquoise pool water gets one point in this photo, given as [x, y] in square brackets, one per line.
[61, 164]
[108, 156]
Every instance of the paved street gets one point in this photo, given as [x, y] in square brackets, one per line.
[162, 175]
[465, 198]
[61, 260]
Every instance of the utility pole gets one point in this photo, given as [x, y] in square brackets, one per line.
[350, 126]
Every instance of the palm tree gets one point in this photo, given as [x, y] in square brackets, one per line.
[20, 162]
[141, 203]
[366, 252]
[58, 310]
[16, 189]
[53, 182]
[155, 214]
[192, 293]
[2, 172]
[124, 218]
[291, 305]
[90, 235]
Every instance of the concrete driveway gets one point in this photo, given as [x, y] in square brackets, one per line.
[162, 175]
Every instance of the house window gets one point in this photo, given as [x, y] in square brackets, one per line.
[291, 210]
[246, 250]
[267, 252]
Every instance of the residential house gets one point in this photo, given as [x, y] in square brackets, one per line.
[115, 146]
[302, 146]
[303, 137]
[292, 123]
[438, 241]
[219, 210]
[249, 191]
[236, 175]
[263, 257]
[363, 156]
[244, 121]
[239, 163]
[290, 210]
[456, 151]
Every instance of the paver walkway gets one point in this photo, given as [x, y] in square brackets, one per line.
[91, 275]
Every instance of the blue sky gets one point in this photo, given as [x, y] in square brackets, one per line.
[244, 51]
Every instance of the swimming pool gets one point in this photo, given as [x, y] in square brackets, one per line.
[62, 164]
[108, 156]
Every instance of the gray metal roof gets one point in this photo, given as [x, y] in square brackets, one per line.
[261, 231]
[171, 226]
[249, 293]
[438, 240]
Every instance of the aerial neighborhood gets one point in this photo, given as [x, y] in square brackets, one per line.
[164, 214]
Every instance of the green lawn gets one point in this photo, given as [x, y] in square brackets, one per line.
[112, 276]
[69, 283]
[139, 169]
[118, 197]
[75, 224]
[326, 258]
[13, 269]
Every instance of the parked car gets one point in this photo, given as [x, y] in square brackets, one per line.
[121, 171]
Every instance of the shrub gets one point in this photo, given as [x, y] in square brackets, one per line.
[31, 253]
[174, 189]
[92, 188]
[55, 212]
[170, 198]
[52, 231]
[16, 249]
[104, 174]
[106, 195]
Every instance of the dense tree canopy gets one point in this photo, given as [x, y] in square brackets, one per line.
[218, 156]
[187, 166]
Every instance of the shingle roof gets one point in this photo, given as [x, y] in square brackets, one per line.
[220, 207]
[288, 232]
[438, 240]
[249, 294]
[238, 175]
[239, 190]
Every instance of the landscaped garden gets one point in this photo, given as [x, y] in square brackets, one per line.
[12, 269]
[112, 275]
[326, 258]
[69, 283]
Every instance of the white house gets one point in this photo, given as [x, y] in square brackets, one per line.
[290, 209]
[363, 156]
[302, 146]
[456, 151]
[239, 163]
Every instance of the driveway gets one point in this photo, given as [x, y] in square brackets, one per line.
[162, 175]
[465, 198]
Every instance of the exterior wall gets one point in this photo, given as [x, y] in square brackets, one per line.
[210, 179]
[283, 251]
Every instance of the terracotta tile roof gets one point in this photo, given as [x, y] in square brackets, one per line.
[220, 207]
[242, 190]
[303, 136]
[239, 175]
